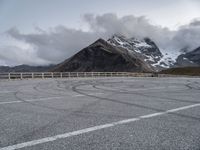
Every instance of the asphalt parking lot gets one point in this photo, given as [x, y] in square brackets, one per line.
[100, 113]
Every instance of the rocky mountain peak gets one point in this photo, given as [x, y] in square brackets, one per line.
[144, 48]
[103, 56]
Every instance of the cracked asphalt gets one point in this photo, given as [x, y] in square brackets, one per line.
[100, 114]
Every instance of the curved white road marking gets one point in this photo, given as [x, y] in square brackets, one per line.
[95, 128]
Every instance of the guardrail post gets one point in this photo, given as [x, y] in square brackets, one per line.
[92, 74]
[52, 75]
[42, 75]
[32, 75]
[61, 75]
[21, 76]
[9, 76]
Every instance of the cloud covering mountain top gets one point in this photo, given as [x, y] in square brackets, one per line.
[60, 42]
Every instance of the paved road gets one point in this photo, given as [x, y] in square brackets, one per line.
[104, 113]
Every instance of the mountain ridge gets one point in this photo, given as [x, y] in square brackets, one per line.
[102, 56]
[26, 68]
[118, 53]
[191, 58]
[144, 48]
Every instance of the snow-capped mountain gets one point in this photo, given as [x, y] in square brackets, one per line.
[101, 56]
[125, 54]
[120, 54]
[145, 49]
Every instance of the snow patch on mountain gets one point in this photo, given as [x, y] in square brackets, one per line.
[168, 59]
[146, 49]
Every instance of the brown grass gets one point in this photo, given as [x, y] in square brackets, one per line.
[192, 71]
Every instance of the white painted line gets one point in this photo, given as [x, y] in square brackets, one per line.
[44, 99]
[144, 89]
[11, 102]
[152, 115]
[151, 88]
[92, 94]
[2, 92]
[95, 94]
[79, 95]
[31, 100]
[95, 128]
[139, 89]
[182, 108]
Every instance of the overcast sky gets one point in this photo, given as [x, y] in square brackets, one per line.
[40, 32]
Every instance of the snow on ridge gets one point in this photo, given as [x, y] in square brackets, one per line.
[142, 44]
[141, 47]
[132, 44]
[167, 60]
[118, 40]
[170, 54]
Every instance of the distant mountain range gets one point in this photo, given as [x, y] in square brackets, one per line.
[118, 54]
[189, 59]
[26, 68]
[126, 54]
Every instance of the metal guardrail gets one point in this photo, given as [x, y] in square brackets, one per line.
[44, 75]
[47, 75]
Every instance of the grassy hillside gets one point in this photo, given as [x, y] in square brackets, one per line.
[192, 71]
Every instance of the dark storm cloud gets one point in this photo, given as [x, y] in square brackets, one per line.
[59, 43]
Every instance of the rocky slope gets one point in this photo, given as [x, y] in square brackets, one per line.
[189, 58]
[126, 54]
[103, 56]
[145, 49]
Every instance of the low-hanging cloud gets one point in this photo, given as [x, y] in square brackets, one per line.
[129, 26]
[14, 55]
[140, 27]
[188, 36]
[56, 44]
